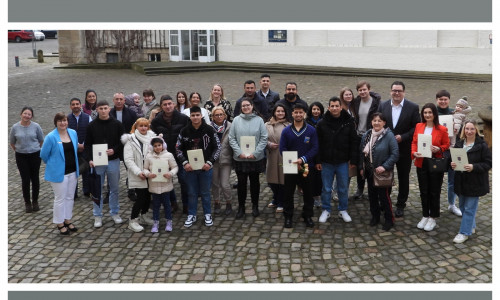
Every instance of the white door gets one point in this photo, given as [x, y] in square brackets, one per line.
[206, 45]
[192, 45]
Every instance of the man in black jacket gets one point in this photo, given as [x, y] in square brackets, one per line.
[270, 97]
[198, 135]
[106, 130]
[338, 147]
[169, 123]
[127, 117]
[402, 116]
[259, 103]
[364, 105]
[290, 99]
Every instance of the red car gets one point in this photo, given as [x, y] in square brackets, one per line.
[21, 35]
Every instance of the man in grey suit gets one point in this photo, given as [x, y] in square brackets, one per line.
[402, 116]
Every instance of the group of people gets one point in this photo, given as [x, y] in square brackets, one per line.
[362, 137]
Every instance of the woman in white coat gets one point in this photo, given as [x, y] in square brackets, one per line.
[135, 150]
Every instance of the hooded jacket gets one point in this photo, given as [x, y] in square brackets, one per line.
[133, 157]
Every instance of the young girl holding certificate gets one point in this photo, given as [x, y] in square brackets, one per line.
[159, 168]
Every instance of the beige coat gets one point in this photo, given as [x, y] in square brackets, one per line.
[274, 171]
[160, 187]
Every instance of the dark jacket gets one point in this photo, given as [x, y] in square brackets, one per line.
[385, 151]
[259, 104]
[169, 131]
[128, 118]
[373, 109]
[79, 126]
[204, 138]
[338, 140]
[271, 99]
[104, 132]
[475, 183]
[289, 106]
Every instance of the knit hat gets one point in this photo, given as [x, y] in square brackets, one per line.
[157, 139]
[463, 102]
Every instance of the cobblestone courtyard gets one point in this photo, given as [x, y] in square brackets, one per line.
[256, 250]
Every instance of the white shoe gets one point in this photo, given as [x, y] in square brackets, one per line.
[190, 221]
[324, 216]
[455, 210]
[422, 223]
[208, 220]
[431, 224]
[345, 216]
[460, 238]
[133, 225]
[116, 218]
[97, 222]
[145, 220]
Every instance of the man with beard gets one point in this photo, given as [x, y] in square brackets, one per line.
[291, 99]
[300, 137]
[259, 103]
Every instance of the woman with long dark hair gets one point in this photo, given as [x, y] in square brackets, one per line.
[90, 104]
[429, 183]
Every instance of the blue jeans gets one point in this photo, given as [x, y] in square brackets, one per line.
[328, 173]
[468, 207]
[158, 201]
[112, 171]
[198, 183]
[451, 192]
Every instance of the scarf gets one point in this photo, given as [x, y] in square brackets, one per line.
[374, 137]
[273, 121]
[219, 129]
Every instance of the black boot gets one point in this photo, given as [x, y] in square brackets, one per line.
[288, 222]
[35, 205]
[29, 207]
[374, 221]
[255, 210]
[241, 212]
[358, 194]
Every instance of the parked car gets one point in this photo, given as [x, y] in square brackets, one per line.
[39, 36]
[50, 34]
[20, 35]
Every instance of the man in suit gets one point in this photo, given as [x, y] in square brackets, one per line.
[402, 116]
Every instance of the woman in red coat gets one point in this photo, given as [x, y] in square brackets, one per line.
[429, 182]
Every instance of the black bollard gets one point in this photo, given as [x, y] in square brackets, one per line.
[16, 58]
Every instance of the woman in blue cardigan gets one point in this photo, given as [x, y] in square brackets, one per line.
[59, 152]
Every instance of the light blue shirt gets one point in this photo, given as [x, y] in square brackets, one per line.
[396, 112]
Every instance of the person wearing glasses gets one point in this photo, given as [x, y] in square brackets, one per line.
[402, 116]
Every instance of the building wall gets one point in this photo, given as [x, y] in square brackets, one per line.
[460, 51]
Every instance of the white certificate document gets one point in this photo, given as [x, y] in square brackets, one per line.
[424, 145]
[288, 166]
[195, 158]
[99, 155]
[459, 156]
[159, 167]
[247, 144]
[447, 121]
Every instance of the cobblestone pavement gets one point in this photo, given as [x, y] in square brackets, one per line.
[255, 250]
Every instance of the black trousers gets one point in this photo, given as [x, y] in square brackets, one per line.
[141, 204]
[291, 181]
[28, 165]
[403, 166]
[380, 200]
[242, 187]
[430, 191]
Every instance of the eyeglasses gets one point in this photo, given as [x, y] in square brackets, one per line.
[397, 91]
[218, 115]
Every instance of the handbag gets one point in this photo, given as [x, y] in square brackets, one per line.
[384, 179]
[438, 165]
[83, 165]
[95, 186]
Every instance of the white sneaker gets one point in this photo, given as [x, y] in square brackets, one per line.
[431, 224]
[208, 220]
[145, 220]
[190, 221]
[97, 222]
[324, 216]
[345, 216]
[133, 225]
[116, 218]
[460, 238]
[455, 210]
[422, 223]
